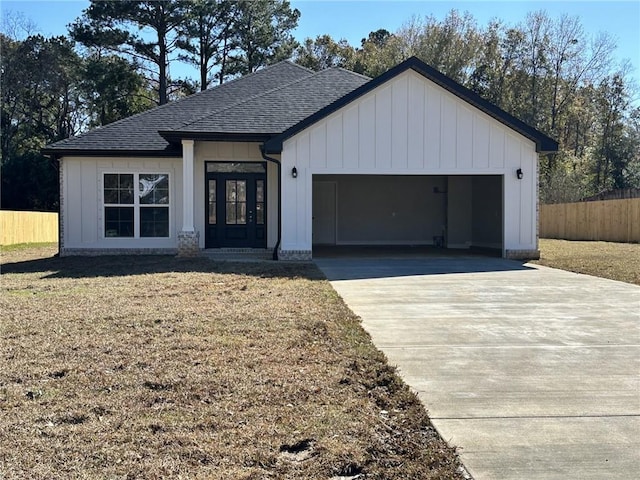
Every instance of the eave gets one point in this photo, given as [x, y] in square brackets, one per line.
[86, 152]
[175, 137]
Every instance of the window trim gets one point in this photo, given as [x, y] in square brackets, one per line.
[136, 205]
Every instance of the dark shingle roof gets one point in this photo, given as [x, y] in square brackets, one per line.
[139, 133]
[270, 105]
[274, 111]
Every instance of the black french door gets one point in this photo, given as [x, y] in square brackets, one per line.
[236, 206]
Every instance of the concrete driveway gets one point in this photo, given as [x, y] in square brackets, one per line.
[534, 373]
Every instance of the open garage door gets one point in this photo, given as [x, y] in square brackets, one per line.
[460, 212]
[475, 212]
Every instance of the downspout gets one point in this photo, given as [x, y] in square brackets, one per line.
[279, 165]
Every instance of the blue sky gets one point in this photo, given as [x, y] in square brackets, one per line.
[353, 20]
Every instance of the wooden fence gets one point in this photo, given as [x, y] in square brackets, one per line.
[608, 220]
[28, 227]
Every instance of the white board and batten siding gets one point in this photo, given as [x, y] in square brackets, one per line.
[410, 126]
[83, 206]
[82, 195]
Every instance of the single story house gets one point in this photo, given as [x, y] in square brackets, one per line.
[286, 159]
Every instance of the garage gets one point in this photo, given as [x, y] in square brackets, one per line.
[411, 158]
[452, 211]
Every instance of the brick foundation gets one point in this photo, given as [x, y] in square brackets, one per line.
[295, 255]
[522, 254]
[188, 244]
[96, 252]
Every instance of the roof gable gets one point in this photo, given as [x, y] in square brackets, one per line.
[542, 141]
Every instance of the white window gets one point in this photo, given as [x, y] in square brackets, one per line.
[141, 213]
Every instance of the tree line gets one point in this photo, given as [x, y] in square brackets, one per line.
[117, 58]
[547, 72]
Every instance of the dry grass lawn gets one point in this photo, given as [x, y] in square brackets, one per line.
[157, 367]
[616, 261]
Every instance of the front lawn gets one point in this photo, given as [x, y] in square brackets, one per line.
[157, 367]
[616, 261]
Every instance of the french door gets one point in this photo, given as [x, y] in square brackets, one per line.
[236, 205]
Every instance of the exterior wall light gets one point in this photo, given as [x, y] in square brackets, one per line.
[294, 172]
[519, 174]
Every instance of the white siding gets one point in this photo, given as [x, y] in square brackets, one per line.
[432, 127]
[399, 114]
[296, 208]
[366, 131]
[382, 153]
[83, 216]
[411, 126]
[416, 124]
[334, 147]
[74, 216]
[480, 146]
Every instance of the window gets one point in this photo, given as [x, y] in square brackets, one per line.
[154, 205]
[118, 194]
[141, 214]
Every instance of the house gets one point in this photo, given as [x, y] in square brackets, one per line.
[286, 159]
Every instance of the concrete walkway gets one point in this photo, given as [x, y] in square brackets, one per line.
[534, 373]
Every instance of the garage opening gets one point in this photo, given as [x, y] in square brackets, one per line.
[462, 212]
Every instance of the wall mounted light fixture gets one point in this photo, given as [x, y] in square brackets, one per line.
[294, 172]
[519, 174]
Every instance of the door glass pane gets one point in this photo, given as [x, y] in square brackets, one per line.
[236, 202]
[259, 190]
[241, 218]
[231, 213]
[260, 213]
[212, 202]
[242, 190]
[260, 202]
[231, 191]
[231, 195]
[236, 167]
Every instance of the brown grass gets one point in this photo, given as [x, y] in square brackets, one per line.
[156, 367]
[616, 261]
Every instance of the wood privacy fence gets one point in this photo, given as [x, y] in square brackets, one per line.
[608, 220]
[28, 227]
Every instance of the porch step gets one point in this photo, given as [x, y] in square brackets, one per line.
[238, 254]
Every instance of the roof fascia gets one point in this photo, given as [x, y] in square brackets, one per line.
[176, 137]
[76, 152]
